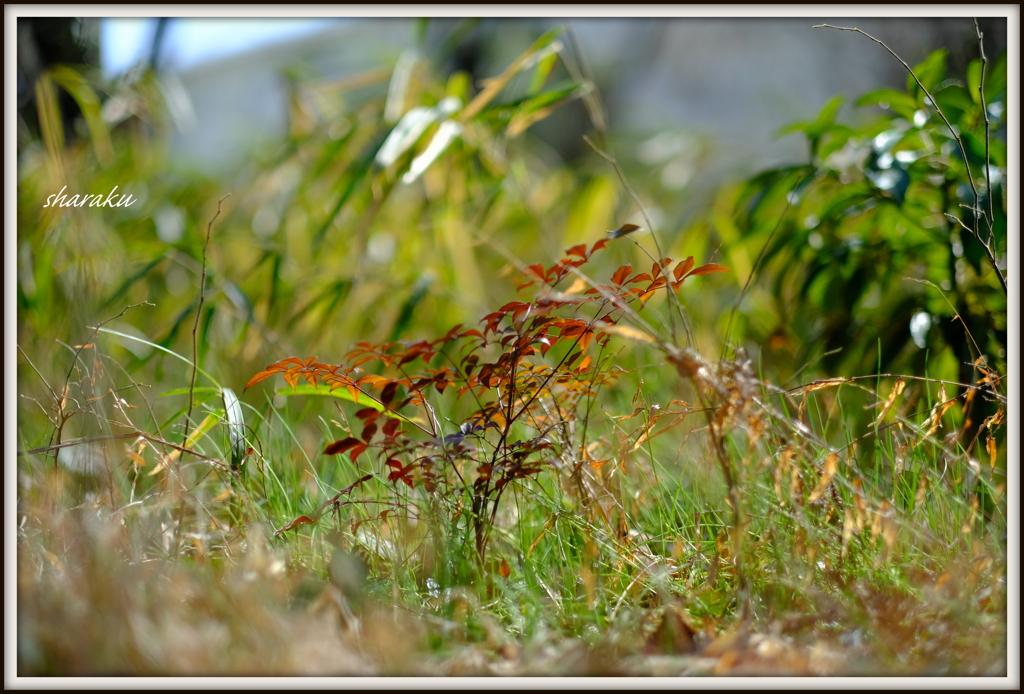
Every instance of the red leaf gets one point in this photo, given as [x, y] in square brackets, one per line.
[621, 274]
[390, 427]
[368, 431]
[537, 270]
[580, 250]
[709, 268]
[368, 414]
[356, 451]
[516, 307]
[598, 246]
[388, 394]
[409, 356]
[341, 446]
[402, 474]
[349, 488]
[301, 520]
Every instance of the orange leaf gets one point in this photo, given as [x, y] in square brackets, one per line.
[586, 339]
[709, 268]
[621, 274]
[683, 267]
[261, 376]
[659, 266]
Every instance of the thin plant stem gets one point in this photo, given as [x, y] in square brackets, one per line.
[988, 126]
[673, 299]
[195, 325]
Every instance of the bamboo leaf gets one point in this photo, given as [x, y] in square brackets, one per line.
[236, 427]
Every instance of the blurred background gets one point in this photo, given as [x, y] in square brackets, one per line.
[723, 86]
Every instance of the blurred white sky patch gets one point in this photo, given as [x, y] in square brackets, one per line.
[127, 41]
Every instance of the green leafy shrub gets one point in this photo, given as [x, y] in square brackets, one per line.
[887, 249]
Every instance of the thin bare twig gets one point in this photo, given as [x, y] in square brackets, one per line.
[195, 370]
[195, 326]
[984, 111]
[673, 299]
[38, 373]
[757, 264]
[61, 415]
[592, 99]
[853, 379]
[115, 437]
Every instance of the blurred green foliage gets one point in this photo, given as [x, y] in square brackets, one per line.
[327, 239]
[872, 248]
[330, 237]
